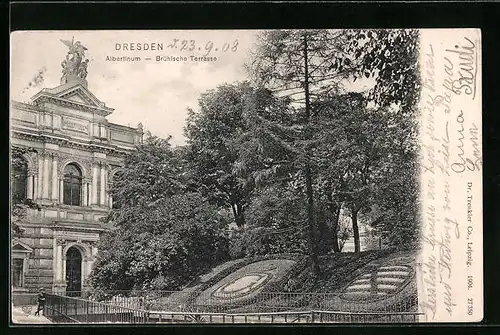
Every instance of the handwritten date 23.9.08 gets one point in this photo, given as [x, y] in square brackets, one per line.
[206, 48]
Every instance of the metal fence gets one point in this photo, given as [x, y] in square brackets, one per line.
[182, 301]
[63, 309]
[175, 306]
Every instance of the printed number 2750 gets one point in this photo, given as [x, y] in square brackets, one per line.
[470, 306]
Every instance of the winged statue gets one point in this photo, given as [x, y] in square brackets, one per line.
[74, 65]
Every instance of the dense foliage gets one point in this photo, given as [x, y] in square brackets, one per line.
[273, 218]
[351, 145]
[295, 159]
[213, 134]
[163, 234]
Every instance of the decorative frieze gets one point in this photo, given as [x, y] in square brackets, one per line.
[64, 242]
[68, 235]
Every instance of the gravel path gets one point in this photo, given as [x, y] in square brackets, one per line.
[20, 317]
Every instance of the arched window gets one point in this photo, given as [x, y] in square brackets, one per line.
[72, 185]
[19, 177]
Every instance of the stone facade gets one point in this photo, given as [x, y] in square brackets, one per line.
[64, 126]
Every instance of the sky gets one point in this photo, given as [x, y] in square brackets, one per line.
[156, 94]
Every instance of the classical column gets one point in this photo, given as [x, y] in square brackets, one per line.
[84, 270]
[84, 186]
[58, 268]
[29, 192]
[55, 181]
[94, 184]
[40, 176]
[106, 186]
[63, 269]
[35, 186]
[102, 198]
[61, 189]
[89, 194]
[46, 180]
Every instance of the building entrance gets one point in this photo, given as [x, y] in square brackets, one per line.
[73, 272]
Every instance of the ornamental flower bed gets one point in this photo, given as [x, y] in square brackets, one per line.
[387, 284]
[244, 285]
[189, 295]
[180, 301]
[293, 287]
[339, 271]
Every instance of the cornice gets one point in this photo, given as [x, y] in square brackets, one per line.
[68, 142]
[72, 228]
[44, 97]
[24, 106]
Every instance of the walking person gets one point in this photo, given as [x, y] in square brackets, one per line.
[41, 301]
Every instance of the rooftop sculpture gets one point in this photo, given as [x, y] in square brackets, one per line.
[74, 66]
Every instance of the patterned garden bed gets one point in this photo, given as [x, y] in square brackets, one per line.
[244, 285]
[190, 298]
[367, 281]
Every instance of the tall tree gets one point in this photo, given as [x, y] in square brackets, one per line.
[391, 58]
[334, 153]
[215, 136]
[310, 67]
[297, 64]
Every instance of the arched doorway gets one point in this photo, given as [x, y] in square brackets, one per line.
[73, 272]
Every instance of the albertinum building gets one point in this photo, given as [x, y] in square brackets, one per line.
[71, 153]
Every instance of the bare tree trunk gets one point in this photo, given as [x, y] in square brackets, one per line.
[308, 173]
[335, 214]
[355, 229]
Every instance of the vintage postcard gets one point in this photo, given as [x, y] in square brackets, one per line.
[246, 176]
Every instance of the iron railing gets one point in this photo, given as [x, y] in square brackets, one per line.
[182, 301]
[274, 307]
[63, 309]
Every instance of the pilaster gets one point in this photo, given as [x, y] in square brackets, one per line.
[46, 176]
[55, 180]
